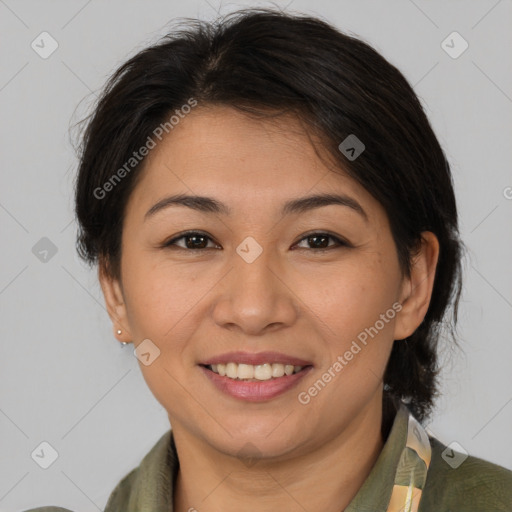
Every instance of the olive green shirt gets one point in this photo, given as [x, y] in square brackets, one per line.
[473, 486]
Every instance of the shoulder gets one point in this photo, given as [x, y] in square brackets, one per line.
[150, 480]
[118, 499]
[48, 509]
[121, 495]
[465, 483]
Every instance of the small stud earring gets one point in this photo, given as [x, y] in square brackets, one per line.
[119, 331]
[123, 343]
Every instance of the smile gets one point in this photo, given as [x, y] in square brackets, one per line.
[255, 377]
[249, 372]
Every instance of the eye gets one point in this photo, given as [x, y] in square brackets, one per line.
[193, 240]
[319, 241]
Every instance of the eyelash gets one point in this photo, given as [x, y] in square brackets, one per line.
[187, 234]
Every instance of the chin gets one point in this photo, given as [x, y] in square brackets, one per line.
[250, 449]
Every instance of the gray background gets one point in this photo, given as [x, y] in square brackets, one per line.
[64, 378]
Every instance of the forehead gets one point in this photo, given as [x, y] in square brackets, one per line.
[219, 151]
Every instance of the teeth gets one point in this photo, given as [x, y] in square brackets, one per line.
[245, 371]
[264, 371]
[277, 370]
[232, 370]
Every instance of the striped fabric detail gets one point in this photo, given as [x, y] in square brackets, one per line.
[411, 473]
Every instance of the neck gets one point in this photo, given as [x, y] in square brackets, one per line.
[324, 479]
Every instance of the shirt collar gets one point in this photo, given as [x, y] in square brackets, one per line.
[376, 490]
[150, 486]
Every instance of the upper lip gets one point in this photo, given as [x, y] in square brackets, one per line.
[256, 358]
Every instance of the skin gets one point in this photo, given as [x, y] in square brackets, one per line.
[294, 299]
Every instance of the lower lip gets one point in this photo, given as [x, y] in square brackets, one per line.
[253, 391]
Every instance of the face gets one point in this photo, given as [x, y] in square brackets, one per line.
[257, 284]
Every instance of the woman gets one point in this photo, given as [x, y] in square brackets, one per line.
[276, 232]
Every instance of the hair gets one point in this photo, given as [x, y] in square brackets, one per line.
[263, 61]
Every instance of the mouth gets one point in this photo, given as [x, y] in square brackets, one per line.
[254, 373]
[255, 377]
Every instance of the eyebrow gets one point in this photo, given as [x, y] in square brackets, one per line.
[210, 205]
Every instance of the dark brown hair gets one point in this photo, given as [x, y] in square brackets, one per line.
[261, 61]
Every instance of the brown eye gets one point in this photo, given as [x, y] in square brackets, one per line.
[320, 241]
[192, 240]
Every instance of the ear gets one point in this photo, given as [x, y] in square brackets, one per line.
[114, 300]
[416, 290]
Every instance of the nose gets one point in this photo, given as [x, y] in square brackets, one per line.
[255, 296]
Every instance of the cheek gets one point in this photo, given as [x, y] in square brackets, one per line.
[357, 344]
[357, 321]
[350, 298]
[155, 298]
[157, 305]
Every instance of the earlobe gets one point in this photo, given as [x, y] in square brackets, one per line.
[417, 289]
[114, 301]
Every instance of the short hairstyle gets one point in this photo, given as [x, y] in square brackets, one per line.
[263, 61]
